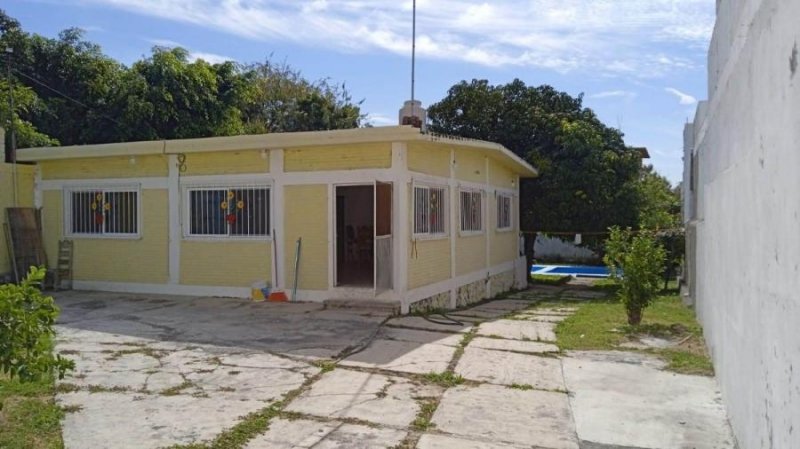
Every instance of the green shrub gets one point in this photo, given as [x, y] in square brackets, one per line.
[641, 260]
[26, 331]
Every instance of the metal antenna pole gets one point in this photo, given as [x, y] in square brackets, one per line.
[413, 50]
[13, 153]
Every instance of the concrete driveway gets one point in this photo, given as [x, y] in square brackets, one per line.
[156, 371]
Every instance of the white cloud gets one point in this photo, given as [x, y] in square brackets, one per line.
[597, 36]
[381, 119]
[614, 94]
[683, 98]
[212, 58]
[209, 57]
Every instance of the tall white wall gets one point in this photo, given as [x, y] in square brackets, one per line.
[747, 145]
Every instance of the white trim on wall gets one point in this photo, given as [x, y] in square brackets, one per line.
[145, 183]
[175, 213]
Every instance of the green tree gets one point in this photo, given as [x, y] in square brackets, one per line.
[636, 260]
[26, 331]
[660, 204]
[26, 134]
[587, 174]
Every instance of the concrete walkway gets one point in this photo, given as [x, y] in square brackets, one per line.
[157, 371]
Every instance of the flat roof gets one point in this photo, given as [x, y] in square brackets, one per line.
[270, 141]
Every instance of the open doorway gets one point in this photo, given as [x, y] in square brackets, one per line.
[355, 236]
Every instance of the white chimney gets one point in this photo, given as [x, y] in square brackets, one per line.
[412, 113]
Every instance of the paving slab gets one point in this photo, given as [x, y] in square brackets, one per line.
[418, 322]
[505, 415]
[519, 330]
[419, 336]
[432, 441]
[635, 404]
[303, 433]
[531, 347]
[403, 356]
[116, 420]
[553, 310]
[380, 399]
[506, 305]
[541, 318]
[509, 368]
[479, 313]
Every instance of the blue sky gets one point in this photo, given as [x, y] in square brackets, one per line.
[641, 64]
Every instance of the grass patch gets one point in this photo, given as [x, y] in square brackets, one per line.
[445, 379]
[29, 416]
[550, 279]
[325, 365]
[602, 325]
[423, 420]
[177, 389]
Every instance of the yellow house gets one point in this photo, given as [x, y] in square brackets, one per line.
[385, 214]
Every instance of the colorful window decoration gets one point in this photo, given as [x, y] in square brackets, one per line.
[106, 211]
[229, 212]
[430, 210]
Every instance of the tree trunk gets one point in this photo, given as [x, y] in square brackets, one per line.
[530, 239]
[634, 316]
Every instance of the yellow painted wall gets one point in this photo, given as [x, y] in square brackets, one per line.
[501, 176]
[143, 260]
[430, 263]
[470, 166]
[338, 157]
[306, 216]
[25, 183]
[224, 163]
[470, 254]
[228, 263]
[106, 167]
[429, 158]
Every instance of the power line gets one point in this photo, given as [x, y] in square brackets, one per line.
[65, 95]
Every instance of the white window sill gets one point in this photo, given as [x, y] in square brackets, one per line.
[225, 238]
[430, 237]
[503, 230]
[103, 237]
[470, 233]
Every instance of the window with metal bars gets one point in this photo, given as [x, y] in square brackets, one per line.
[503, 212]
[471, 211]
[228, 211]
[430, 210]
[102, 211]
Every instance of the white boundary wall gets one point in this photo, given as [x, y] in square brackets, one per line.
[747, 147]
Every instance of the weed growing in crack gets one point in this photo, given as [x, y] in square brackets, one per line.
[523, 387]
[325, 365]
[423, 420]
[177, 389]
[445, 379]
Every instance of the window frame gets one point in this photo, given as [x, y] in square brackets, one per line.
[186, 212]
[428, 235]
[504, 196]
[67, 214]
[482, 195]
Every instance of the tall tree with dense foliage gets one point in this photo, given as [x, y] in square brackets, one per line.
[79, 95]
[587, 175]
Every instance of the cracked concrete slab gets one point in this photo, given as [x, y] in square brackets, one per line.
[504, 305]
[304, 433]
[531, 347]
[433, 441]
[419, 336]
[519, 330]
[146, 421]
[418, 322]
[485, 314]
[375, 398]
[403, 356]
[541, 318]
[509, 368]
[635, 404]
[505, 415]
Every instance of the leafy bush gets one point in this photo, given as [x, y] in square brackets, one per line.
[26, 331]
[641, 260]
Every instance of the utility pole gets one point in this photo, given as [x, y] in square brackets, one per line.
[12, 156]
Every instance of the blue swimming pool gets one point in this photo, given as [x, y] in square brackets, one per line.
[572, 270]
